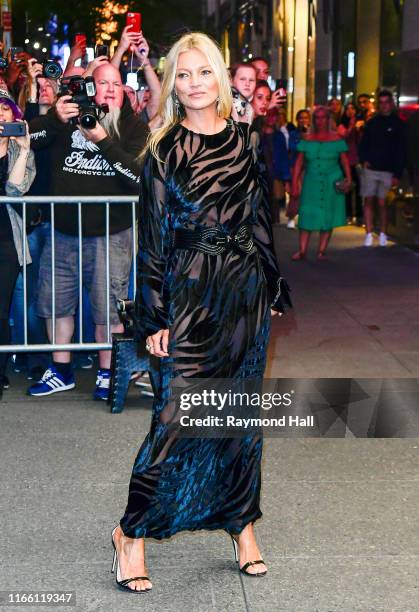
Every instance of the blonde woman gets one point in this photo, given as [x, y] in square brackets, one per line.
[208, 284]
[322, 155]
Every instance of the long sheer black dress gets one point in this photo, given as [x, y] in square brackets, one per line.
[217, 308]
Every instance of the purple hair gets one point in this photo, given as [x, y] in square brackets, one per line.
[17, 113]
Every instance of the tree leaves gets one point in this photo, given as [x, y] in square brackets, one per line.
[163, 20]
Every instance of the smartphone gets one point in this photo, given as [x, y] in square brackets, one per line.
[102, 50]
[14, 52]
[13, 128]
[281, 84]
[134, 20]
[81, 40]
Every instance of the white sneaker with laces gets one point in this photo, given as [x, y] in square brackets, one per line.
[291, 224]
[382, 239]
[368, 240]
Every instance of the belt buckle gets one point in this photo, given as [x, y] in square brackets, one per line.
[215, 239]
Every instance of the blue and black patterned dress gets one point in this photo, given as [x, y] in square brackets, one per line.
[217, 308]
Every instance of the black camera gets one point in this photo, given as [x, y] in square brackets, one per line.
[83, 92]
[51, 70]
[13, 54]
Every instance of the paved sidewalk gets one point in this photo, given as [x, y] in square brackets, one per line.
[355, 315]
[340, 530]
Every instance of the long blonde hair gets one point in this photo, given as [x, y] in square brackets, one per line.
[169, 112]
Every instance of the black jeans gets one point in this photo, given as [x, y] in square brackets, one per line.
[9, 270]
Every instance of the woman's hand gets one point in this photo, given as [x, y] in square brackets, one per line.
[142, 49]
[295, 192]
[347, 184]
[158, 343]
[77, 51]
[95, 63]
[277, 99]
[16, 68]
[24, 142]
[34, 69]
[128, 38]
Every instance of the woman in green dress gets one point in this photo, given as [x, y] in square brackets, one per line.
[322, 157]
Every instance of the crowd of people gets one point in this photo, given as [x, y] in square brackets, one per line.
[327, 170]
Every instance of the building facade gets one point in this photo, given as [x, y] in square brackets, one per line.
[324, 48]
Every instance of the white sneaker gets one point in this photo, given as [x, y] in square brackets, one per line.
[291, 224]
[382, 239]
[368, 240]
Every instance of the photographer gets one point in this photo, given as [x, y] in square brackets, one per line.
[17, 72]
[101, 160]
[17, 171]
[41, 92]
[141, 50]
[37, 98]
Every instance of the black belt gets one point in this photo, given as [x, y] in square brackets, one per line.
[214, 240]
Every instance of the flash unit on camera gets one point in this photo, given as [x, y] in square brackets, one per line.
[90, 87]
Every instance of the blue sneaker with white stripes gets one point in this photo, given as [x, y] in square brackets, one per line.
[52, 382]
[103, 384]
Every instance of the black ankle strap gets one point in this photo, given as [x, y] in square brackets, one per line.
[128, 580]
[249, 563]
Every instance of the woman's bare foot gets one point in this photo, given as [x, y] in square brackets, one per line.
[249, 550]
[298, 256]
[131, 560]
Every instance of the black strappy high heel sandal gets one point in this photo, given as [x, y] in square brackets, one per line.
[248, 564]
[123, 584]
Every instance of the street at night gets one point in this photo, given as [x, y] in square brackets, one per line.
[337, 512]
[209, 305]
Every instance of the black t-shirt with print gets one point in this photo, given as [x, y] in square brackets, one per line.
[80, 167]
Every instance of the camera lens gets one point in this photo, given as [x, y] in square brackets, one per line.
[52, 70]
[88, 120]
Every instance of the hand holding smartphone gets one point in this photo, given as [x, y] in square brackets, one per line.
[14, 54]
[12, 128]
[80, 41]
[134, 20]
[102, 50]
[134, 23]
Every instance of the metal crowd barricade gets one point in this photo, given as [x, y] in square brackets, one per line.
[76, 201]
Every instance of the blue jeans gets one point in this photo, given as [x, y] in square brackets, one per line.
[36, 326]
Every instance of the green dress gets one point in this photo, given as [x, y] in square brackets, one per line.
[321, 207]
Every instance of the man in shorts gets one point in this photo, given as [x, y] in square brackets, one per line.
[382, 155]
[99, 161]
